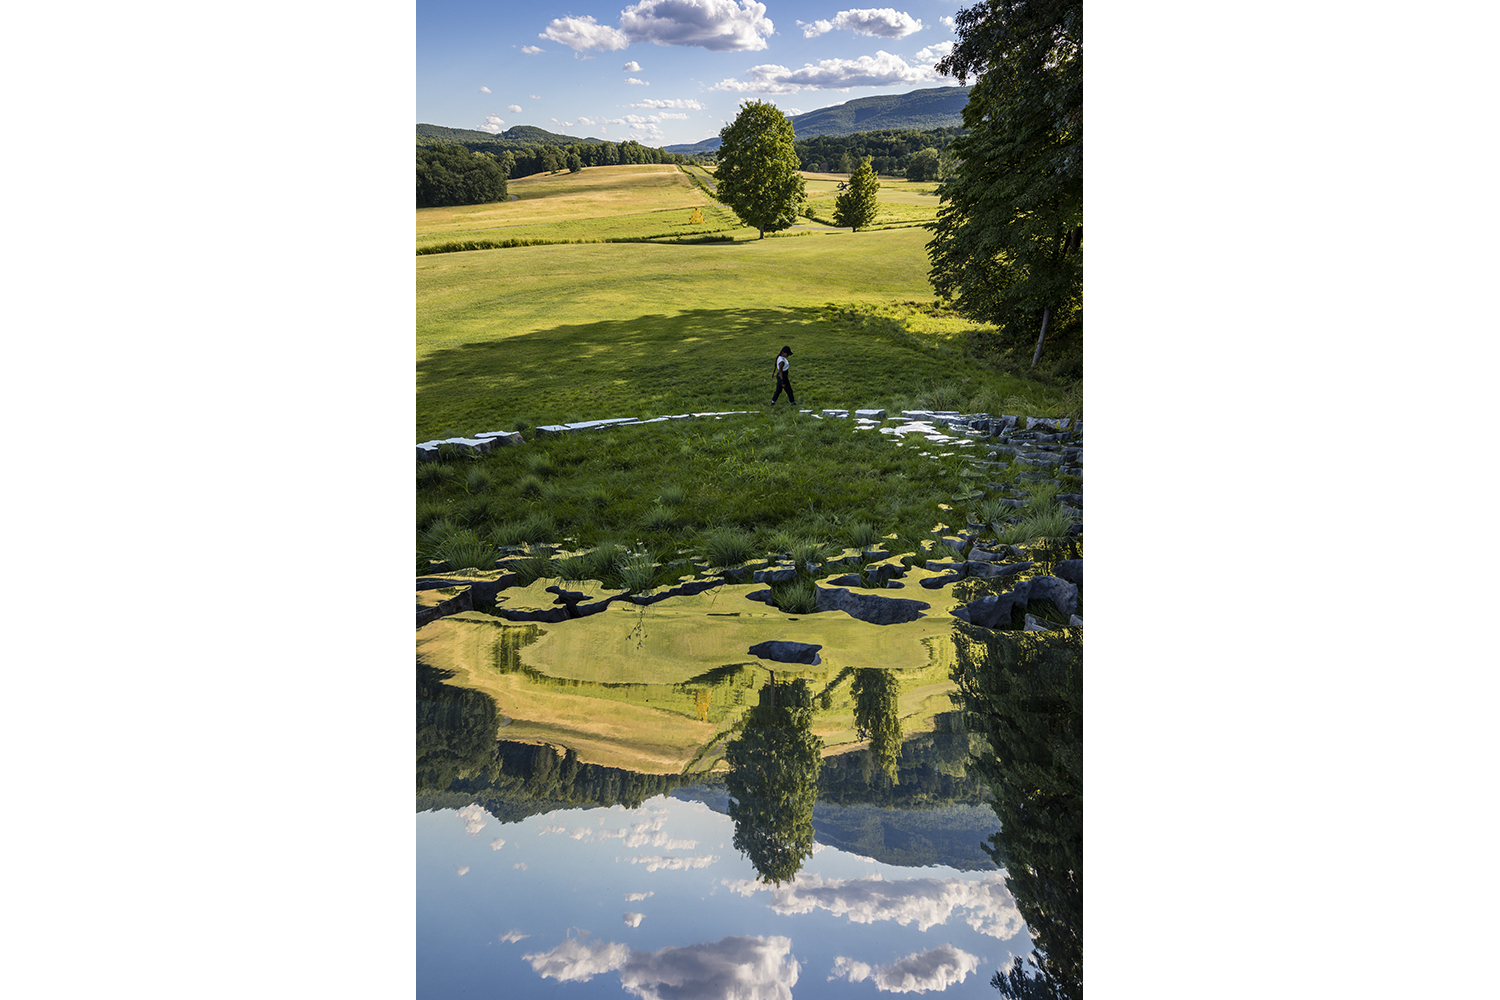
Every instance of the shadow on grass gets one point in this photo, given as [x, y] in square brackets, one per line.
[703, 359]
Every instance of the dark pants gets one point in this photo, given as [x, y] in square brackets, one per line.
[783, 381]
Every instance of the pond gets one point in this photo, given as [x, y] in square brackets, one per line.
[704, 796]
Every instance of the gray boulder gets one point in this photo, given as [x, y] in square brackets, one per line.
[1070, 570]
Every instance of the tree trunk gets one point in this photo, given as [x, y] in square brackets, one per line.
[1046, 315]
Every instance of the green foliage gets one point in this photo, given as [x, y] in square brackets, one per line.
[451, 175]
[862, 535]
[1023, 691]
[877, 717]
[639, 573]
[758, 170]
[727, 547]
[856, 206]
[464, 549]
[532, 569]
[923, 165]
[773, 781]
[1007, 246]
[795, 597]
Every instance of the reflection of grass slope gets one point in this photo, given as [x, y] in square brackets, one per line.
[655, 692]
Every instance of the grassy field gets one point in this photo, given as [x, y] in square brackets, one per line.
[901, 202]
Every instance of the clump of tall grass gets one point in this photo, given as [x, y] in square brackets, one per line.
[432, 473]
[531, 569]
[1046, 523]
[464, 549]
[478, 479]
[429, 511]
[659, 519]
[529, 485]
[574, 569]
[672, 496]
[862, 535]
[805, 552]
[727, 547]
[638, 573]
[795, 597]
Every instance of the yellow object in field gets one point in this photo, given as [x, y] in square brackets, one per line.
[697, 216]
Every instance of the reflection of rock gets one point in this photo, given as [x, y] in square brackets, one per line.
[995, 611]
[871, 608]
[785, 651]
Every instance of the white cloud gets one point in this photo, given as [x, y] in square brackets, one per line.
[936, 969]
[689, 104]
[513, 108]
[496, 844]
[880, 21]
[945, 21]
[676, 116]
[657, 862]
[880, 70]
[523, 866]
[473, 816]
[634, 919]
[815, 29]
[632, 67]
[636, 897]
[492, 124]
[985, 905]
[716, 25]
[513, 935]
[638, 83]
[484, 90]
[576, 961]
[579, 33]
[464, 870]
[532, 50]
[936, 51]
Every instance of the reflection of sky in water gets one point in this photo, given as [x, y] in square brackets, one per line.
[656, 902]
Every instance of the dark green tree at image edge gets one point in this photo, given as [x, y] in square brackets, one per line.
[758, 174]
[1008, 242]
[1023, 694]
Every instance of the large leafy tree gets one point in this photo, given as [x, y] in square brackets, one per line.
[773, 781]
[1008, 243]
[758, 168]
[877, 695]
[856, 206]
[451, 175]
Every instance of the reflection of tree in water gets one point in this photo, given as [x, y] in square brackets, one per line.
[876, 693]
[773, 781]
[1024, 693]
[456, 731]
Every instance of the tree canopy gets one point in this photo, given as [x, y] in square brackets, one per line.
[758, 169]
[856, 206]
[773, 778]
[451, 175]
[1009, 235]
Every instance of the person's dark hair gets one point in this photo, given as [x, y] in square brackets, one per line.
[787, 349]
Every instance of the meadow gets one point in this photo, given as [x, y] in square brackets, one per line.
[514, 338]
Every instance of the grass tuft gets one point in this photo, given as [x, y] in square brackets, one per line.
[795, 597]
[727, 547]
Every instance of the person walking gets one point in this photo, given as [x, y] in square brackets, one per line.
[784, 376]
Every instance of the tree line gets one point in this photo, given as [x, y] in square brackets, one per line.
[474, 173]
[915, 154]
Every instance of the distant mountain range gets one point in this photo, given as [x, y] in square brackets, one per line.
[920, 110]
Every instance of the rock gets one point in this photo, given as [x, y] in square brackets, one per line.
[946, 565]
[933, 583]
[870, 414]
[502, 438]
[956, 544]
[1070, 570]
[994, 570]
[993, 611]
[1075, 622]
[786, 651]
[835, 413]
[774, 575]
[871, 608]
[1033, 624]
[1061, 593]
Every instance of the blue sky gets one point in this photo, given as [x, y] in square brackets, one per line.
[664, 72]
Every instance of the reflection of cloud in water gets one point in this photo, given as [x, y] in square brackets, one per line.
[576, 961]
[987, 905]
[496, 844]
[636, 897]
[634, 919]
[656, 862]
[464, 870]
[513, 935]
[521, 865]
[936, 969]
[552, 828]
[647, 834]
[752, 968]
[474, 818]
